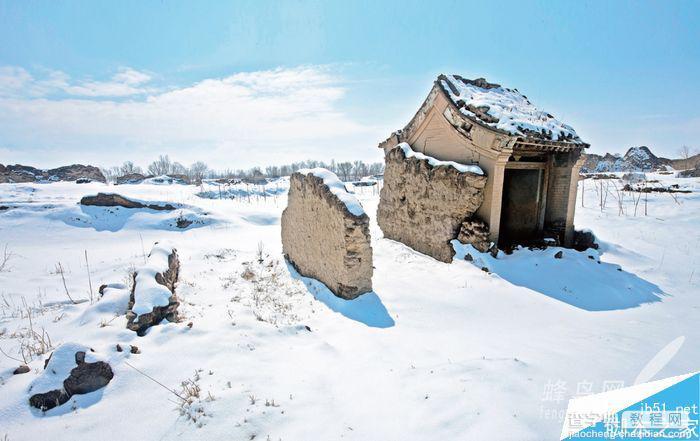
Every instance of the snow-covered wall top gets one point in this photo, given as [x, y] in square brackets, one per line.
[462, 168]
[504, 109]
[337, 187]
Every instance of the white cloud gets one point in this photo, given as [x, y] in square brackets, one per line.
[241, 120]
[17, 81]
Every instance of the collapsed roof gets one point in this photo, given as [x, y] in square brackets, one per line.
[505, 110]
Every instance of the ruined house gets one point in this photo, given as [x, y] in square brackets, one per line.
[530, 159]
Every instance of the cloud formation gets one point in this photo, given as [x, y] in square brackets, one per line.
[241, 120]
[16, 81]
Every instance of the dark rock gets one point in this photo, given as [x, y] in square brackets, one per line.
[88, 377]
[181, 222]
[468, 258]
[131, 178]
[115, 200]
[559, 255]
[23, 369]
[49, 400]
[584, 240]
[135, 349]
[119, 348]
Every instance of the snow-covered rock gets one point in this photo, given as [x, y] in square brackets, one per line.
[153, 296]
[71, 369]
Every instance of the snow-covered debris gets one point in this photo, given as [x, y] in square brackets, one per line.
[148, 293]
[153, 298]
[71, 369]
[462, 168]
[504, 109]
[166, 180]
[337, 187]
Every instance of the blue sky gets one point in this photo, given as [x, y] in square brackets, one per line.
[252, 82]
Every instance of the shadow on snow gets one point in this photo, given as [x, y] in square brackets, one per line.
[577, 279]
[116, 218]
[367, 309]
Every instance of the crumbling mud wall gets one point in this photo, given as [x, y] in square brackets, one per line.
[325, 233]
[423, 205]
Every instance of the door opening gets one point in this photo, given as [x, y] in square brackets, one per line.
[520, 210]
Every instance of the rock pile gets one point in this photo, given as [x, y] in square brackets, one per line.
[325, 233]
[23, 173]
[424, 205]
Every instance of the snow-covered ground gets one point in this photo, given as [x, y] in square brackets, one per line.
[438, 351]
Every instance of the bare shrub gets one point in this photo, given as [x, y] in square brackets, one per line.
[32, 343]
[59, 270]
[5, 257]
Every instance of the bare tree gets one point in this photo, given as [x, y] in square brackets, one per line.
[178, 169]
[272, 171]
[129, 168]
[376, 168]
[359, 169]
[685, 156]
[345, 168]
[161, 166]
[111, 173]
[5, 257]
[197, 171]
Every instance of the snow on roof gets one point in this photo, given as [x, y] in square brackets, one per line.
[337, 187]
[147, 292]
[462, 168]
[504, 109]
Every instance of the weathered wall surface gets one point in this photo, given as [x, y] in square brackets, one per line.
[424, 206]
[324, 240]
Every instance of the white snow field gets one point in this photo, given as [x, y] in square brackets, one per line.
[437, 352]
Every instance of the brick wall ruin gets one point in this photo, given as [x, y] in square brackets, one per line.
[326, 237]
[423, 206]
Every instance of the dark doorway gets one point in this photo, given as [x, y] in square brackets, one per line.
[520, 212]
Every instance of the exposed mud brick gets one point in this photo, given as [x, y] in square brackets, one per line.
[323, 239]
[424, 206]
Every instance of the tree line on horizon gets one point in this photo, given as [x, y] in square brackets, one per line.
[348, 170]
